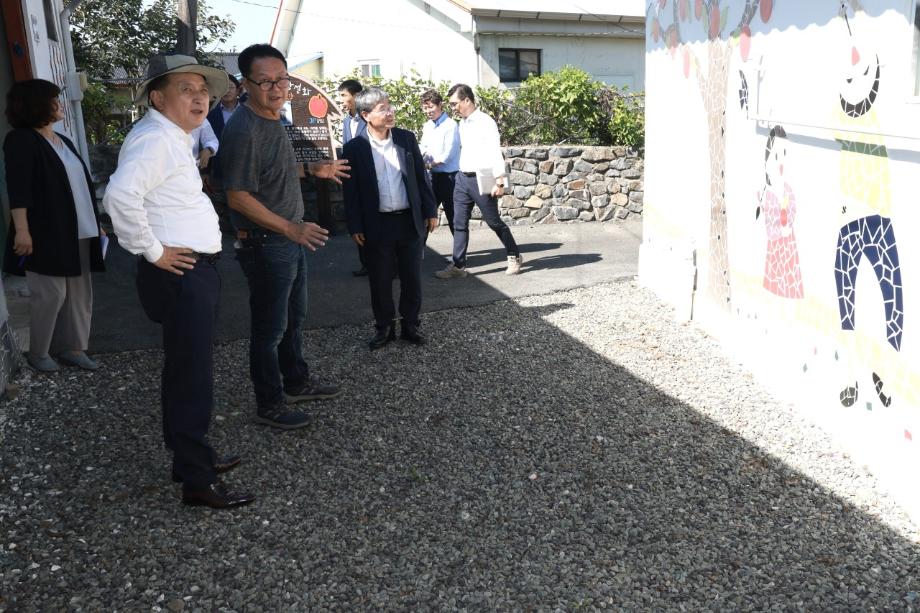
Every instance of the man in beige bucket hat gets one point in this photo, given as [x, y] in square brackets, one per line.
[160, 214]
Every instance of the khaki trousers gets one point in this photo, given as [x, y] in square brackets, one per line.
[61, 309]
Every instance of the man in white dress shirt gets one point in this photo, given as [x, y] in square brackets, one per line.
[160, 213]
[480, 152]
[441, 148]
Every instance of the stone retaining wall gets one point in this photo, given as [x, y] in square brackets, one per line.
[565, 184]
[548, 185]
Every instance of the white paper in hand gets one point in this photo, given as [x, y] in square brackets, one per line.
[485, 181]
[104, 242]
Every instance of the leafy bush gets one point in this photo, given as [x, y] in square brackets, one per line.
[627, 121]
[100, 117]
[566, 106]
[404, 95]
[566, 102]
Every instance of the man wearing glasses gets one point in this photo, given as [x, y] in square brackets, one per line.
[391, 210]
[480, 156]
[262, 181]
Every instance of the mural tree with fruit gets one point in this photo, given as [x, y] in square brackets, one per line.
[668, 27]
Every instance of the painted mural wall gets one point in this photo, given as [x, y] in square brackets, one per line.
[782, 180]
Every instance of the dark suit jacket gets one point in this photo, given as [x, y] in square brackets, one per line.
[36, 180]
[216, 119]
[362, 127]
[362, 199]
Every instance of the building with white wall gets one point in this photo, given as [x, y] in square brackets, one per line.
[479, 42]
[34, 43]
[782, 170]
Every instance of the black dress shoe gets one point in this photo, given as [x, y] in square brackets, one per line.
[215, 496]
[382, 338]
[221, 465]
[361, 272]
[412, 335]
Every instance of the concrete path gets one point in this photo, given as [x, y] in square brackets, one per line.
[565, 256]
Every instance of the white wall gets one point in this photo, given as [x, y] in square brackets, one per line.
[402, 39]
[48, 60]
[797, 68]
[615, 61]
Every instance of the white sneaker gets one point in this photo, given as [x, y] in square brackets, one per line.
[514, 264]
[451, 272]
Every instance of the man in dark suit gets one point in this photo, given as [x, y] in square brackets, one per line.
[353, 125]
[391, 210]
[221, 113]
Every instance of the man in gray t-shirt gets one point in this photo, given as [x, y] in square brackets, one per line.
[262, 180]
[260, 161]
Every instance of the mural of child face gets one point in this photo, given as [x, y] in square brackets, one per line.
[860, 83]
[774, 164]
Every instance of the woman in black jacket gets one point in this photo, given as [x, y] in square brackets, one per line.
[56, 233]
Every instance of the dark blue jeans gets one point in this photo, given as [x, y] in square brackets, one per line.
[276, 270]
[186, 307]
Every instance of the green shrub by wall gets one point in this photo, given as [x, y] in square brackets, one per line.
[562, 107]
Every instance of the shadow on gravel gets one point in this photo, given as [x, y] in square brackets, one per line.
[505, 465]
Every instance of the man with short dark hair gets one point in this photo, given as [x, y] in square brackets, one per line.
[160, 213]
[262, 178]
[390, 211]
[229, 102]
[481, 161]
[441, 149]
[353, 125]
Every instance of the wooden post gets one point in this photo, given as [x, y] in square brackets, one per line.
[188, 24]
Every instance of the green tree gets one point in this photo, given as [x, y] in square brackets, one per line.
[112, 34]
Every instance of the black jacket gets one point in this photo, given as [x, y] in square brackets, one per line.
[36, 180]
[362, 199]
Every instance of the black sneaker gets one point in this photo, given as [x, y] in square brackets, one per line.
[282, 417]
[311, 390]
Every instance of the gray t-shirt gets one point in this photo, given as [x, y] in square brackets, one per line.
[256, 156]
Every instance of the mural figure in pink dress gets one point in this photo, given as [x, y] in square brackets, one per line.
[782, 275]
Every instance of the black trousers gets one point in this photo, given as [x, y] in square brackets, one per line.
[186, 307]
[399, 246]
[466, 196]
[442, 183]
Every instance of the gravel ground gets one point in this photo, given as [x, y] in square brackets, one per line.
[576, 450]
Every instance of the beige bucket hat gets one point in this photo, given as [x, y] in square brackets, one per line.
[166, 63]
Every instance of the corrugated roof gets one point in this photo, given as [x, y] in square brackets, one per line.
[582, 10]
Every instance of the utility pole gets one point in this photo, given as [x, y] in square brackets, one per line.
[188, 24]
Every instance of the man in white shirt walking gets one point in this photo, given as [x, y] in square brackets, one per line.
[480, 152]
[160, 213]
[441, 149]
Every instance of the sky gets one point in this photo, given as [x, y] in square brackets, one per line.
[254, 20]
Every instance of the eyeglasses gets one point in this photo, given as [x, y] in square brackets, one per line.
[387, 110]
[282, 83]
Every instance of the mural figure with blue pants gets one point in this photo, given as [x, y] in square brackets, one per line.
[866, 188]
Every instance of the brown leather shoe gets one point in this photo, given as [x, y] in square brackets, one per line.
[216, 496]
[222, 464]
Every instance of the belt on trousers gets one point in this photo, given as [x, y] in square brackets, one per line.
[469, 174]
[210, 258]
[399, 212]
[248, 233]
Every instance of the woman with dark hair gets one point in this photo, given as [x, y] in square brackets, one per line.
[55, 236]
